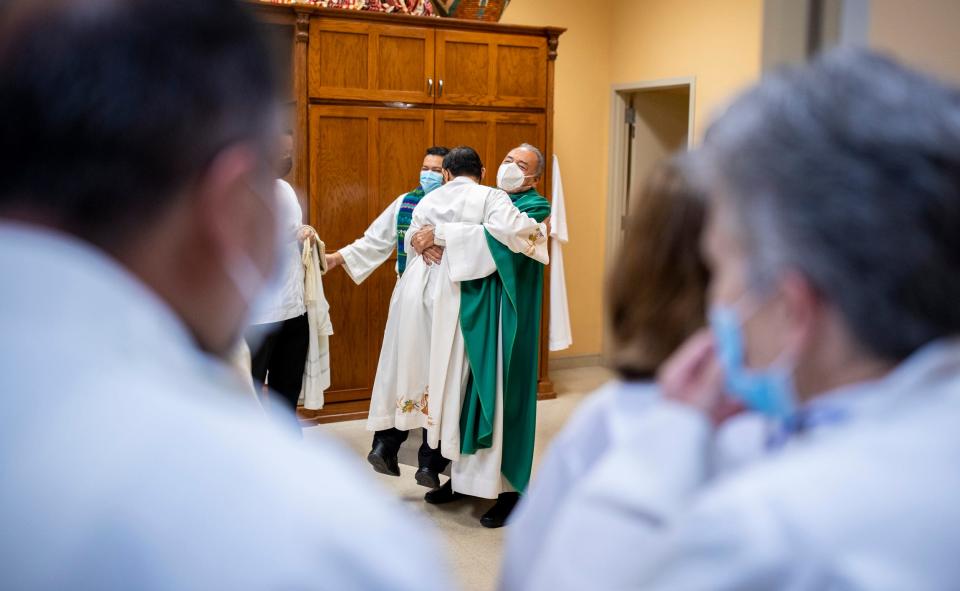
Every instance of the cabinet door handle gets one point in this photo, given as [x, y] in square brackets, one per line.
[440, 89]
[429, 86]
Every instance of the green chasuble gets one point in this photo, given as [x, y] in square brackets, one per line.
[510, 297]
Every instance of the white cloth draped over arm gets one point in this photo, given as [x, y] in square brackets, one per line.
[367, 253]
[316, 371]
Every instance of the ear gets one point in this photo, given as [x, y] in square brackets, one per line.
[483, 174]
[802, 307]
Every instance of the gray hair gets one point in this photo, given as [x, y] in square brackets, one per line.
[848, 172]
[541, 161]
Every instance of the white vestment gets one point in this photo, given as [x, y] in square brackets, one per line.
[561, 335]
[132, 460]
[371, 250]
[423, 370]
[864, 498]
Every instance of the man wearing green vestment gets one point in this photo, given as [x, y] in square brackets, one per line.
[500, 322]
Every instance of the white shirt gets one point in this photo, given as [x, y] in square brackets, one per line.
[285, 299]
[130, 461]
[868, 501]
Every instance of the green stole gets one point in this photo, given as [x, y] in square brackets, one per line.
[404, 217]
[509, 298]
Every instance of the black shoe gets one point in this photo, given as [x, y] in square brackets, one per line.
[428, 478]
[498, 514]
[382, 461]
[442, 495]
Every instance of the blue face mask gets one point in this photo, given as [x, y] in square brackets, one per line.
[769, 391]
[430, 180]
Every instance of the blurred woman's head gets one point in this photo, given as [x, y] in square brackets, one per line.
[656, 289]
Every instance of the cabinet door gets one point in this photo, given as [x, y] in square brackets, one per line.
[361, 159]
[367, 61]
[491, 134]
[491, 70]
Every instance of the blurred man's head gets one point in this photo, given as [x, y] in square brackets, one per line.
[835, 222]
[146, 128]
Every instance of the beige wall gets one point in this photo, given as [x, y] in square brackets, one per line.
[922, 32]
[716, 41]
[582, 90]
[719, 43]
[620, 41]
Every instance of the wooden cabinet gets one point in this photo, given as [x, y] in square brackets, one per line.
[370, 61]
[361, 159]
[491, 70]
[491, 133]
[375, 62]
[369, 101]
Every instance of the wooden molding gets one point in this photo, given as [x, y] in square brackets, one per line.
[335, 412]
[410, 20]
[303, 27]
[546, 390]
[553, 42]
[577, 361]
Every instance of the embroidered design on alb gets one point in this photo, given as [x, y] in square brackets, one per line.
[409, 406]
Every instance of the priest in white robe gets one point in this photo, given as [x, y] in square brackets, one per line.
[501, 292]
[414, 389]
[386, 236]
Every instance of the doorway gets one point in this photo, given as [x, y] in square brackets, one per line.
[648, 122]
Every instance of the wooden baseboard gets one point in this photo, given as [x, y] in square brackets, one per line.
[546, 390]
[335, 412]
[558, 363]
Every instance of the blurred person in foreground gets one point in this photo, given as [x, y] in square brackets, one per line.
[656, 297]
[835, 276]
[137, 228]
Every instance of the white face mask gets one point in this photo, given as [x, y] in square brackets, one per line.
[510, 177]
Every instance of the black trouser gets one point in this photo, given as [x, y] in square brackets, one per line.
[427, 457]
[280, 359]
